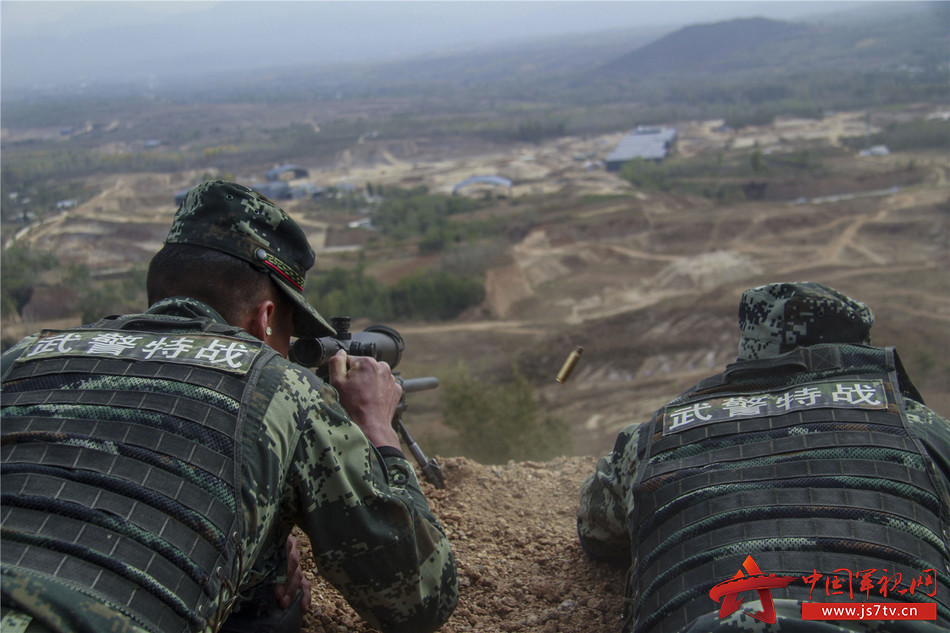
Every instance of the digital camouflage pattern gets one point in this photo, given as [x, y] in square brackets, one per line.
[776, 318]
[681, 505]
[609, 525]
[63, 609]
[303, 462]
[233, 219]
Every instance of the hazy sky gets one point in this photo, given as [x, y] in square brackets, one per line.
[55, 42]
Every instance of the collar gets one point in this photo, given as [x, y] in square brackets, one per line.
[185, 307]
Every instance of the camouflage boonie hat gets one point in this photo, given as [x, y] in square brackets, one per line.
[777, 318]
[233, 219]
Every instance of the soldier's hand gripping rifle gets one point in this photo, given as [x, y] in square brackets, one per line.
[384, 344]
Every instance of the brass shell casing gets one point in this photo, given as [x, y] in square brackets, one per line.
[569, 365]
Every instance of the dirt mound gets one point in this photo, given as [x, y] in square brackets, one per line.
[520, 565]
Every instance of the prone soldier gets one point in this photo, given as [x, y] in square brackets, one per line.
[811, 456]
[155, 464]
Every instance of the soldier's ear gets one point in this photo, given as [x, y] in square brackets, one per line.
[258, 319]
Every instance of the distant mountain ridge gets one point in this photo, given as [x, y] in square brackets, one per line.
[597, 68]
[914, 39]
[723, 46]
[821, 61]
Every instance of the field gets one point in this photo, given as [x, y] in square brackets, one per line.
[646, 282]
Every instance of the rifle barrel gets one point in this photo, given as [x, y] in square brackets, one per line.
[419, 384]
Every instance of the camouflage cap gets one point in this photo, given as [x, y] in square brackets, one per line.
[777, 318]
[241, 222]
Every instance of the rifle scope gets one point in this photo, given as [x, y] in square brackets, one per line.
[379, 341]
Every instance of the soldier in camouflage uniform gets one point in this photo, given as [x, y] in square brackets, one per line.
[154, 464]
[813, 454]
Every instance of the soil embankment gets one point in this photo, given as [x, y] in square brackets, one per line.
[520, 566]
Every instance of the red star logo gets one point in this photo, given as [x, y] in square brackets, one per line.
[728, 591]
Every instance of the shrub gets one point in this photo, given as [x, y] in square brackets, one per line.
[415, 212]
[434, 296]
[646, 174]
[426, 295]
[500, 421]
[19, 268]
[916, 134]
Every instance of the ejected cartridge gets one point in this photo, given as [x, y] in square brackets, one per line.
[569, 365]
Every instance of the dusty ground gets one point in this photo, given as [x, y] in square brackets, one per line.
[647, 284]
[520, 567]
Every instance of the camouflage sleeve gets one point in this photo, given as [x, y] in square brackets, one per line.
[606, 500]
[371, 531]
[934, 433]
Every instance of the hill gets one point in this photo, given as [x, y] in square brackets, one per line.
[646, 281]
[722, 47]
[645, 278]
[870, 42]
[557, 75]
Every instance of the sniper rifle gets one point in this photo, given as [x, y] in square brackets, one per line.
[382, 343]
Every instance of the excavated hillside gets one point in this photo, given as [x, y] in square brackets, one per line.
[647, 283]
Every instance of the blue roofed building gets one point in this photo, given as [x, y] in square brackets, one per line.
[646, 142]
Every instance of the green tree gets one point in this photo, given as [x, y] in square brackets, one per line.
[756, 163]
[341, 292]
[19, 270]
[500, 421]
[427, 295]
[914, 134]
[646, 174]
[98, 299]
[435, 296]
[407, 213]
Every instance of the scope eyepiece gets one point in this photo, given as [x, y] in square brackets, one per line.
[307, 352]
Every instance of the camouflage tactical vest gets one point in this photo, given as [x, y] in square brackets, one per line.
[803, 461]
[121, 465]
